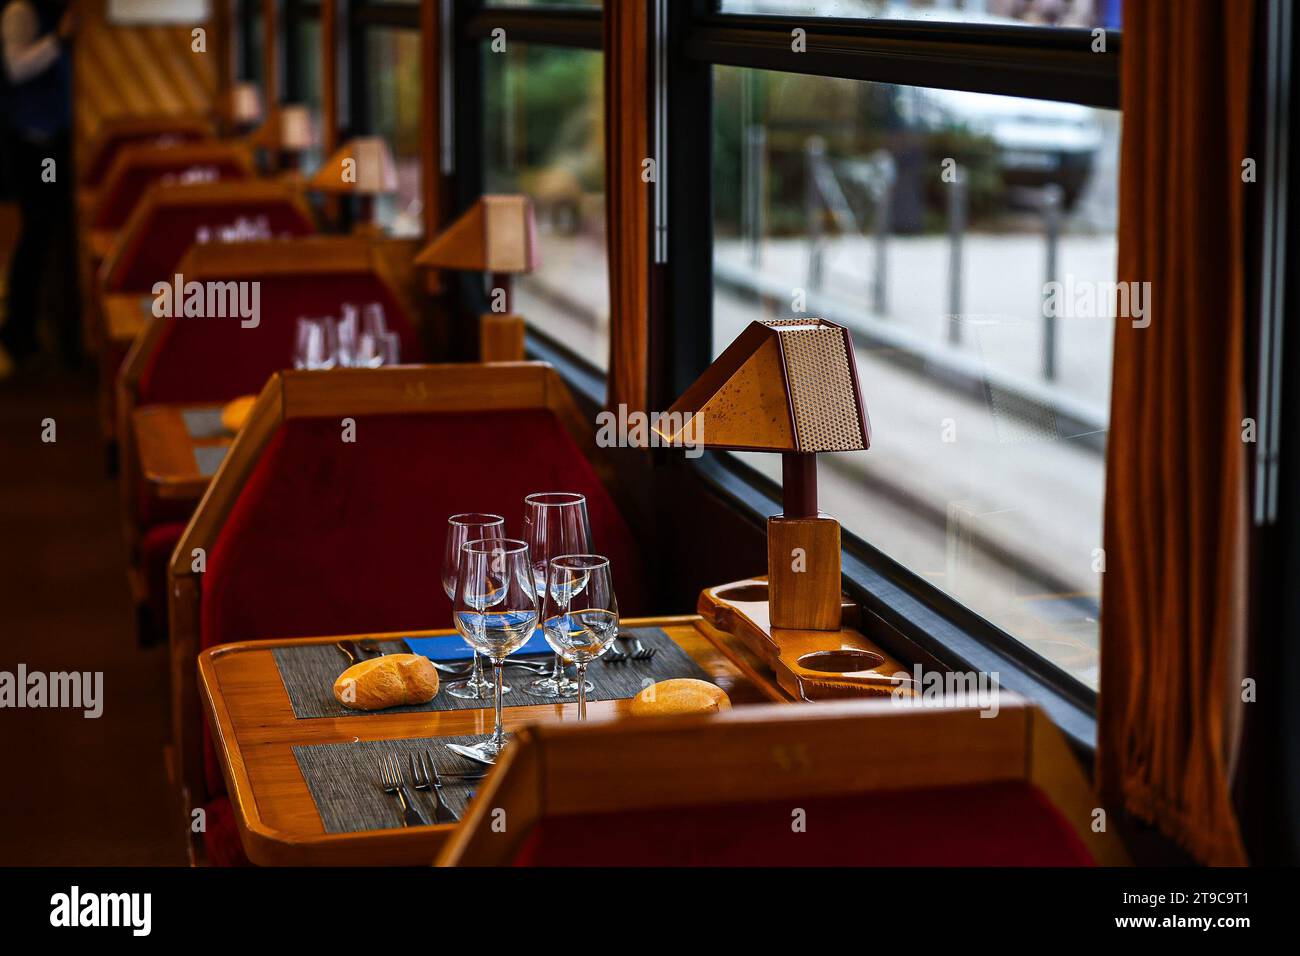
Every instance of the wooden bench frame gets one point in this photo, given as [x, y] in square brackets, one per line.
[306, 257]
[815, 750]
[338, 393]
[163, 196]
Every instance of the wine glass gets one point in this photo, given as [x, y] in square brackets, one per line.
[555, 523]
[373, 320]
[308, 345]
[348, 332]
[580, 616]
[330, 331]
[462, 528]
[496, 613]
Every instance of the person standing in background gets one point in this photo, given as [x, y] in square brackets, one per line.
[38, 111]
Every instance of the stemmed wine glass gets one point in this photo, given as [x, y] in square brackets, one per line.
[555, 523]
[496, 613]
[580, 617]
[460, 529]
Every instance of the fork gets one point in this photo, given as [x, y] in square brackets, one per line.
[390, 781]
[640, 652]
[420, 775]
[613, 655]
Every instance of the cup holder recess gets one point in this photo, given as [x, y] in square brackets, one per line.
[743, 593]
[844, 661]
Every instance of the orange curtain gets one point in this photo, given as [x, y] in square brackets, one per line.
[627, 198]
[1173, 621]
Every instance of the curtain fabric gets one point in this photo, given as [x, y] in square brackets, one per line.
[627, 198]
[1173, 620]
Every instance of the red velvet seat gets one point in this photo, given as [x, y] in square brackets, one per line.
[215, 359]
[156, 547]
[328, 537]
[1007, 823]
[152, 251]
[221, 843]
[123, 191]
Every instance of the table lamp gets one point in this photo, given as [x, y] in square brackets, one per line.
[498, 236]
[363, 167]
[244, 106]
[290, 134]
[789, 386]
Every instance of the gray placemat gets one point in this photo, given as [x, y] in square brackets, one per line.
[309, 672]
[344, 780]
[203, 423]
[209, 458]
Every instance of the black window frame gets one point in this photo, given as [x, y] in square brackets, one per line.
[912, 617]
[293, 13]
[920, 621]
[556, 26]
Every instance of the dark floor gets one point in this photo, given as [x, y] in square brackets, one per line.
[74, 790]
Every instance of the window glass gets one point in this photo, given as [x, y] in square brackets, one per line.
[1085, 14]
[308, 84]
[891, 210]
[394, 109]
[544, 136]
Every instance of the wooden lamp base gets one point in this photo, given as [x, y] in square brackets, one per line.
[501, 338]
[808, 664]
[803, 570]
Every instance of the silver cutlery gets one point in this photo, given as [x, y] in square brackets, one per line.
[642, 653]
[469, 754]
[456, 670]
[437, 787]
[613, 655]
[390, 780]
[421, 778]
[350, 651]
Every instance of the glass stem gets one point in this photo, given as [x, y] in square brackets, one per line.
[498, 735]
[557, 673]
[476, 672]
[582, 691]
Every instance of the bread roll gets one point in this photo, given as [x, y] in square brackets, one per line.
[387, 682]
[681, 695]
[235, 413]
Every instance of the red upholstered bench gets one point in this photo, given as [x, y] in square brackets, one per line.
[848, 783]
[308, 535]
[207, 360]
[1006, 823]
[115, 134]
[138, 167]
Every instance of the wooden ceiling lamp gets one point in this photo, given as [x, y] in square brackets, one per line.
[788, 386]
[496, 236]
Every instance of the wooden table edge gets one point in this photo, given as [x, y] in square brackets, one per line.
[268, 846]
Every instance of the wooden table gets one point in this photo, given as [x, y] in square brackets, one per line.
[125, 315]
[166, 449]
[252, 722]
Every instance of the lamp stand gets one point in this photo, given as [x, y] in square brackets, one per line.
[803, 553]
[501, 334]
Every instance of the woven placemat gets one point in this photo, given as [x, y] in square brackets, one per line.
[344, 781]
[309, 671]
[203, 423]
[209, 458]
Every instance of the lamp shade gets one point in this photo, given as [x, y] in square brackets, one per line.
[498, 234]
[786, 386]
[362, 166]
[244, 106]
[295, 127]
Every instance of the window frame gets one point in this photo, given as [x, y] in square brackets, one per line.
[556, 26]
[915, 619]
[924, 622]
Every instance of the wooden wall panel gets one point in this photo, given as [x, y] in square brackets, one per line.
[140, 70]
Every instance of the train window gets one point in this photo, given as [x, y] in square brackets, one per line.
[543, 135]
[833, 197]
[251, 31]
[1052, 13]
[393, 107]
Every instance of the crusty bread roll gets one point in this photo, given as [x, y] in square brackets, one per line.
[235, 413]
[681, 695]
[387, 682]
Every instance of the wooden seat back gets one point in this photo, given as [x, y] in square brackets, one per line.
[136, 168]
